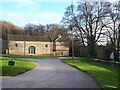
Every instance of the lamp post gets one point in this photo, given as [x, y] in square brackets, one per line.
[72, 31]
[72, 45]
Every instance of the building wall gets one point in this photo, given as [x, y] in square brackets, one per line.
[23, 47]
[41, 48]
[61, 49]
[2, 46]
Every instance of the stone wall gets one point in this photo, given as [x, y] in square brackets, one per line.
[41, 48]
[61, 49]
[22, 47]
[2, 46]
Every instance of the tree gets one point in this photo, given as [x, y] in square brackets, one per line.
[29, 29]
[113, 28]
[54, 30]
[9, 28]
[32, 29]
[88, 22]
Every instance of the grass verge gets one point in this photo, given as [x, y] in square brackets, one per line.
[20, 66]
[105, 74]
[25, 56]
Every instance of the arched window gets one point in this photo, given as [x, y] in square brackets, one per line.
[31, 50]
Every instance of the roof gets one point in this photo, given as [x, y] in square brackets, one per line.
[28, 38]
[62, 40]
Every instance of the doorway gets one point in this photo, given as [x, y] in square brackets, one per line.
[31, 50]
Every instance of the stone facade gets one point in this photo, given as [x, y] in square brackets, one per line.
[41, 46]
[2, 46]
[60, 49]
[23, 47]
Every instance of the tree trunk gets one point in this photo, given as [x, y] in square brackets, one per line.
[92, 47]
[118, 45]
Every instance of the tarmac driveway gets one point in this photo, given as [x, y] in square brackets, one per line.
[51, 73]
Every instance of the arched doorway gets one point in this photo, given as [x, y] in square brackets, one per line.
[31, 50]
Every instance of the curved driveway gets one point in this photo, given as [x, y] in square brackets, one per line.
[51, 73]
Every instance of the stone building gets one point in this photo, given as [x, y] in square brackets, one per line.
[2, 46]
[36, 45]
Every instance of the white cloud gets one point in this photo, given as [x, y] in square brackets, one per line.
[42, 18]
[33, 13]
[97, 0]
[22, 2]
[26, 3]
[50, 17]
[36, 0]
[15, 16]
[29, 1]
[112, 1]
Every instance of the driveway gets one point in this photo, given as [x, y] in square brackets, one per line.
[51, 73]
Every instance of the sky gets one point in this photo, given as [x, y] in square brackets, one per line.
[36, 12]
[22, 12]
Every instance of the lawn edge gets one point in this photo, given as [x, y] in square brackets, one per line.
[36, 64]
[84, 72]
[26, 70]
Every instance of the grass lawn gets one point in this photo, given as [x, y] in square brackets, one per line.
[21, 66]
[105, 74]
[25, 56]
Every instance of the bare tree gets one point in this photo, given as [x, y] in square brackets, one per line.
[113, 28]
[32, 29]
[29, 28]
[88, 21]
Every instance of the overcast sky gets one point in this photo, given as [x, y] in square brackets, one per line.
[22, 12]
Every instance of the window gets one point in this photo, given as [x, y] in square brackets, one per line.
[61, 53]
[46, 45]
[16, 45]
[31, 50]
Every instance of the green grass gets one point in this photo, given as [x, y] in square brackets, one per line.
[25, 56]
[105, 74]
[20, 67]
